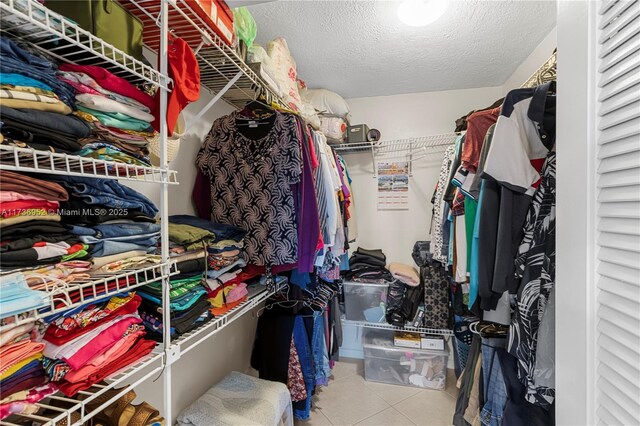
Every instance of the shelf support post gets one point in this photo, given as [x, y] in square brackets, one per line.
[215, 99]
[373, 160]
[164, 212]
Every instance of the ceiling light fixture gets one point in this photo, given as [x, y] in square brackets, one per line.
[418, 13]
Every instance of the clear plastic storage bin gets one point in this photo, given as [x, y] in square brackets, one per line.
[365, 302]
[386, 363]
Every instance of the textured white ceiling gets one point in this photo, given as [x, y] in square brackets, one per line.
[360, 48]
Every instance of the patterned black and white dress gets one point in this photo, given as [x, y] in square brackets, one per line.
[438, 207]
[251, 185]
[535, 266]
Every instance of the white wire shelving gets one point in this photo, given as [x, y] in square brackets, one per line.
[81, 408]
[32, 22]
[191, 340]
[409, 149]
[222, 70]
[77, 293]
[385, 326]
[32, 160]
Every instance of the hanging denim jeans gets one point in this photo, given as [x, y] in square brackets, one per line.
[495, 389]
[320, 355]
[302, 409]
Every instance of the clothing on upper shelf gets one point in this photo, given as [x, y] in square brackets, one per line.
[83, 110]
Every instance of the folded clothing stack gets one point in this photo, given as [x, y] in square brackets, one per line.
[223, 243]
[85, 345]
[31, 232]
[75, 109]
[119, 114]
[116, 221]
[202, 246]
[368, 266]
[230, 289]
[34, 104]
[29, 81]
[188, 248]
[188, 306]
[21, 365]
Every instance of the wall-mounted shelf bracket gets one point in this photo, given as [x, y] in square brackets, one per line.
[212, 102]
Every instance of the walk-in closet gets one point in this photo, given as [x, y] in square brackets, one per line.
[321, 212]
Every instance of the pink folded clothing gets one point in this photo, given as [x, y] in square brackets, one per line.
[6, 196]
[100, 343]
[237, 292]
[120, 348]
[11, 354]
[405, 273]
[111, 82]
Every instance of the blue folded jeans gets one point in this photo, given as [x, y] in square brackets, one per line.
[15, 60]
[106, 192]
[495, 388]
[106, 248]
[116, 231]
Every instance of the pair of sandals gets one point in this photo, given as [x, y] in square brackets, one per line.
[120, 413]
[489, 329]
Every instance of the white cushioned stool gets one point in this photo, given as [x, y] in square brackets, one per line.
[239, 399]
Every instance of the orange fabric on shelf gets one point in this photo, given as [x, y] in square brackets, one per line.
[226, 308]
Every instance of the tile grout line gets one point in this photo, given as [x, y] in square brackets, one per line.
[404, 399]
[375, 414]
[404, 415]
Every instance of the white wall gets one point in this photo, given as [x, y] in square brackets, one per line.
[405, 116]
[530, 65]
[575, 323]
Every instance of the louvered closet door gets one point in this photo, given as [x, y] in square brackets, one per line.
[618, 209]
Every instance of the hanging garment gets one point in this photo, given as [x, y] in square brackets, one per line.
[251, 185]
[438, 205]
[523, 135]
[535, 267]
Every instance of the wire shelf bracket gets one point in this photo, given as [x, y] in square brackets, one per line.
[385, 326]
[32, 160]
[97, 287]
[219, 63]
[193, 339]
[60, 37]
[213, 101]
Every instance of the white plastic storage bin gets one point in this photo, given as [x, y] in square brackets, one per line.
[386, 363]
[365, 302]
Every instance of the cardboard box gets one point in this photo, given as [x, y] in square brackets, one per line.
[214, 14]
[406, 340]
[357, 133]
[429, 341]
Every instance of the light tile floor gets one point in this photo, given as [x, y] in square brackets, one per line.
[350, 400]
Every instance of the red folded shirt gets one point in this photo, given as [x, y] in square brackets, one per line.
[59, 336]
[139, 350]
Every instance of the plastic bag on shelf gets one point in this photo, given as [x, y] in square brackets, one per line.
[244, 26]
